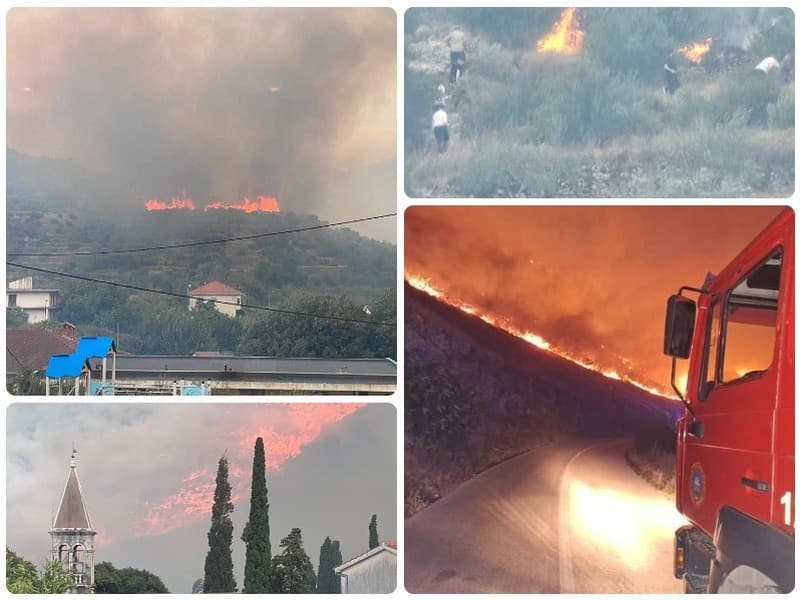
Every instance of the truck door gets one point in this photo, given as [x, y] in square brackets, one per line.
[728, 452]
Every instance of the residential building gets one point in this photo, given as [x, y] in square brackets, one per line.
[31, 348]
[222, 297]
[37, 303]
[373, 572]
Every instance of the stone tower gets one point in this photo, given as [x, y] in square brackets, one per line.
[72, 535]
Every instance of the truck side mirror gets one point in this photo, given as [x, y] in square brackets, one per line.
[679, 327]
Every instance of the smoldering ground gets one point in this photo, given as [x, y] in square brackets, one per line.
[217, 103]
[592, 280]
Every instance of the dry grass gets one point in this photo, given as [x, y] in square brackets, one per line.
[655, 466]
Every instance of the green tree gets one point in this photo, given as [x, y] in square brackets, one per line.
[110, 580]
[16, 318]
[218, 575]
[21, 576]
[329, 558]
[56, 579]
[373, 532]
[292, 572]
[257, 577]
[28, 382]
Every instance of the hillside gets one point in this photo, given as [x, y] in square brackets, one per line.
[476, 395]
[335, 267]
[598, 123]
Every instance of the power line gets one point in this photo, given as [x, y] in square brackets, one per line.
[189, 296]
[119, 251]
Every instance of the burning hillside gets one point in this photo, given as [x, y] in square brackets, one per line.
[588, 284]
[566, 36]
[262, 204]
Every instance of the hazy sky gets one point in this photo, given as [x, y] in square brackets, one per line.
[593, 280]
[217, 103]
[148, 472]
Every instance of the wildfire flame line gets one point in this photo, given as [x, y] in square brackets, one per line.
[566, 37]
[425, 286]
[695, 52]
[262, 204]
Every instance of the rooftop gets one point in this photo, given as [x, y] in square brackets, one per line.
[72, 513]
[32, 347]
[390, 547]
[215, 288]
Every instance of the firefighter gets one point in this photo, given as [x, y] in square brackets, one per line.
[439, 123]
[671, 82]
[458, 59]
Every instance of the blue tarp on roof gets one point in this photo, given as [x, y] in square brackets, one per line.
[65, 366]
[96, 346]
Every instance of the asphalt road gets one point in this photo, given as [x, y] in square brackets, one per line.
[569, 518]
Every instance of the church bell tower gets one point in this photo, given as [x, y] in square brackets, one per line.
[72, 535]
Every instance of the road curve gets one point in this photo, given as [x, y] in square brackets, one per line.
[569, 518]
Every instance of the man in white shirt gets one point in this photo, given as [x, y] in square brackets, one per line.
[439, 123]
[457, 43]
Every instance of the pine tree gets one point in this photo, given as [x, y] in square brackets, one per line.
[257, 568]
[327, 580]
[218, 576]
[373, 532]
[292, 572]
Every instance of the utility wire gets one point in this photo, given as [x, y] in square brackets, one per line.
[119, 251]
[199, 298]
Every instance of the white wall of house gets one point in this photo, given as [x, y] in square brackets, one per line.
[37, 304]
[229, 310]
[376, 574]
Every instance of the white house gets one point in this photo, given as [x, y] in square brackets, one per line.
[217, 291]
[374, 572]
[37, 303]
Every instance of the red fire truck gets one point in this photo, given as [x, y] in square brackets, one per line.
[735, 441]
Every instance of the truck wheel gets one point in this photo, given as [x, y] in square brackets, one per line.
[744, 579]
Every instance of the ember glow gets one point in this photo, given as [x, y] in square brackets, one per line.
[175, 204]
[534, 339]
[695, 52]
[284, 439]
[566, 37]
[262, 204]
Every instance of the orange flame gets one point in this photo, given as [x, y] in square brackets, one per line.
[695, 52]
[262, 204]
[506, 325]
[566, 37]
[285, 433]
[155, 204]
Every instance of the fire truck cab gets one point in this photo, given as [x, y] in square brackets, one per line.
[735, 441]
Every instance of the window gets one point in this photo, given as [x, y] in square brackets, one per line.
[750, 322]
[12, 300]
[712, 351]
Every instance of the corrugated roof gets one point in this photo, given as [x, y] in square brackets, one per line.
[65, 366]
[214, 288]
[272, 366]
[72, 513]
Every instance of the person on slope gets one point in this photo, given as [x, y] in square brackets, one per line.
[456, 42]
[671, 82]
[439, 123]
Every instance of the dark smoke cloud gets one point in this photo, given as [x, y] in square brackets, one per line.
[219, 103]
[593, 280]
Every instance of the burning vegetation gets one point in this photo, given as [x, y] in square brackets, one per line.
[696, 51]
[566, 37]
[262, 204]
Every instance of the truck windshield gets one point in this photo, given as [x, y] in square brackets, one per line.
[750, 322]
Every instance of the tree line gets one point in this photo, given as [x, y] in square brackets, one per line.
[287, 572]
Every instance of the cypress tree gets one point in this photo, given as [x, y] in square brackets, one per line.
[326, 578]
[336, 560]
[373, 532]
[257, 567]
[218, 576]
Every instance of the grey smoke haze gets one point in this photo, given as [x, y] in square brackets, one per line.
[218, 103]
[139, 461]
